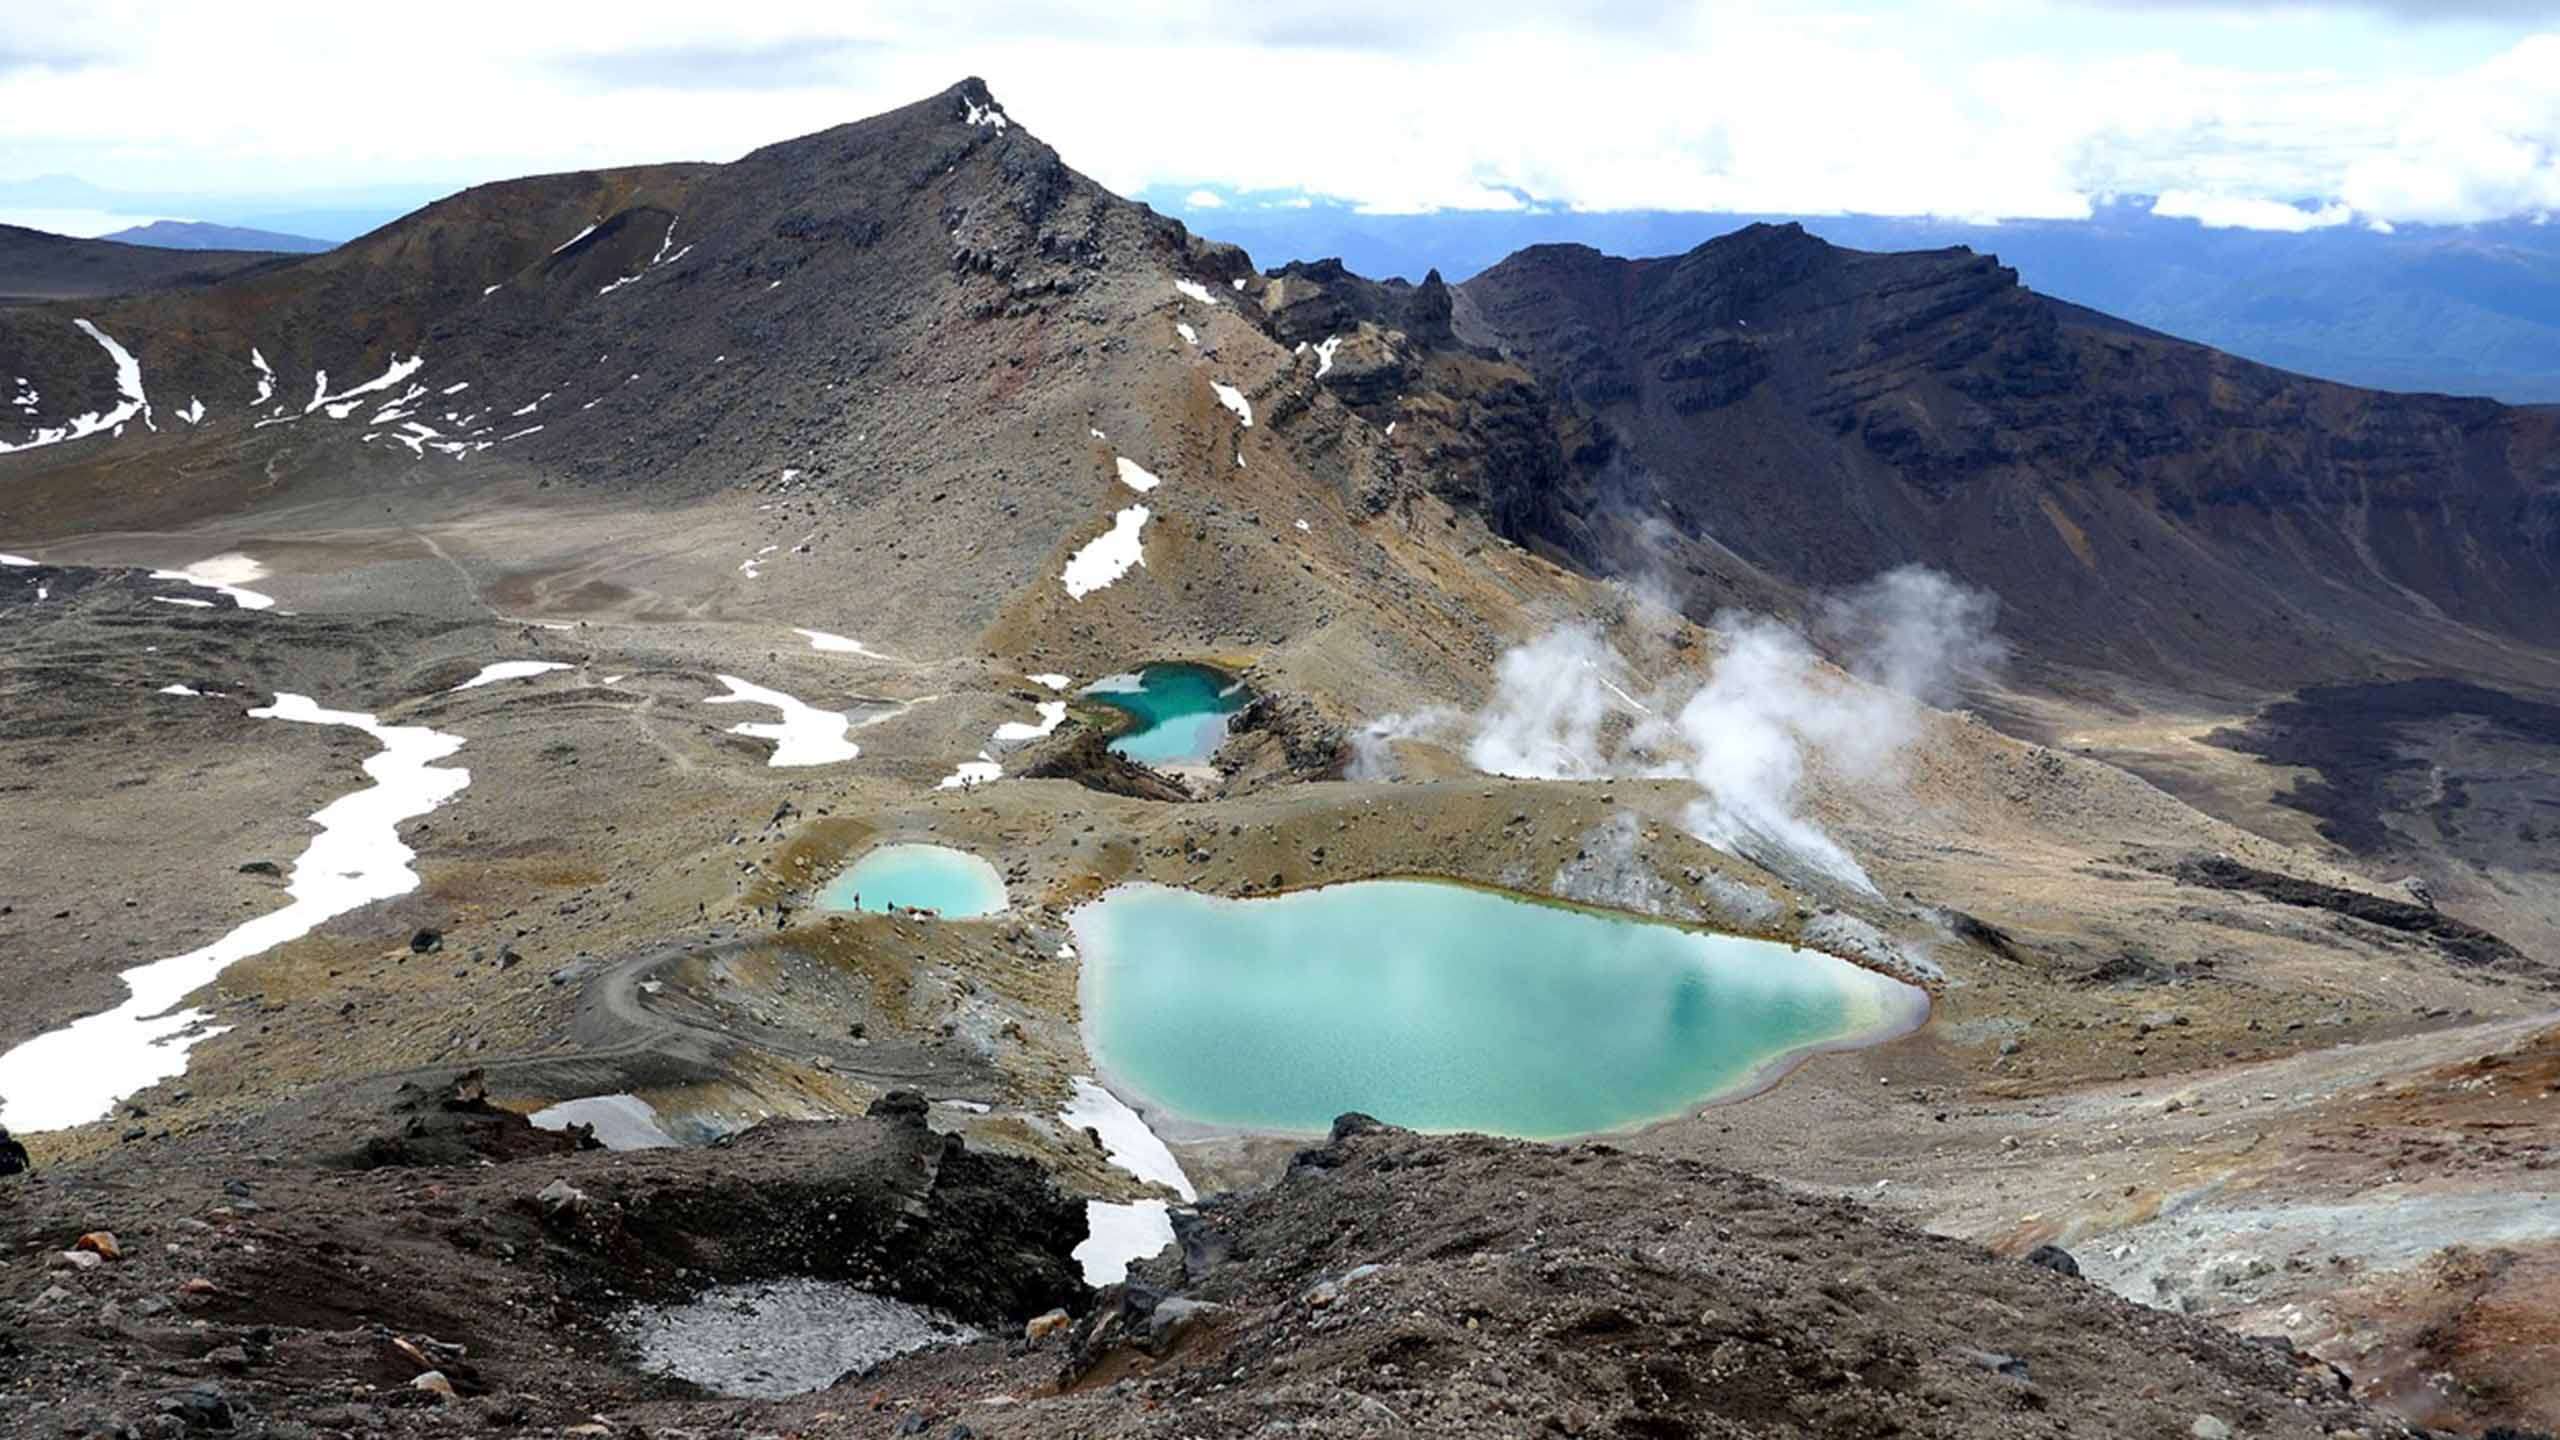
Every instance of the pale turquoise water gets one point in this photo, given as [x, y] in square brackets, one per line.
[1181, 712]
[953, 883]
[1443, 1007]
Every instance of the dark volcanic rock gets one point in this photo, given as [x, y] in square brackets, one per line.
[453, 1123]
[1456, 1285]
[2462, 943]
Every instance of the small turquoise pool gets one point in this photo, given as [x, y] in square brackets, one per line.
[952, 883]
[1181, 711]
[1445, 1007]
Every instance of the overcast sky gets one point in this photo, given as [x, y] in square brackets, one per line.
[2387, 110]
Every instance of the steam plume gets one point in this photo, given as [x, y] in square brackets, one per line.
[1564, 707]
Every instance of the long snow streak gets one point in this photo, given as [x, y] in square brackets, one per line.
[130, 401]
[342, 404]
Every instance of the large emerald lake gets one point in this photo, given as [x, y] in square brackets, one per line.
[1446, 1007]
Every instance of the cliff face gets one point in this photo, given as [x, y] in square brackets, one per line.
[1480, 430]
[2135, 500]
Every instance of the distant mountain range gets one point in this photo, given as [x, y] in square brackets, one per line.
[199, 235]
[57, 202]
[2467, 310]
[38, 266]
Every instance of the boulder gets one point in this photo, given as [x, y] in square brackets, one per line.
[2055, 1259]
[202, 1408]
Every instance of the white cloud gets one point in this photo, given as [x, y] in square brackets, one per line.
[1203, 200]
[2229, 212]
[2024, 108]
[2472, 147]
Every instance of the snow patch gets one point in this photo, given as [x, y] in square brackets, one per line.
[77, 1073]
[1052, 714]
[1193, 289]
[508, 670]
[1126, 1140]
[340, 405]
[1189, 335]
[1115, 1235]
[1118, 1234]
[1324, 354]
[227, 573]
[1107, 556]
[574, 239]
[980, 771]
[1054, 682]
[837, 644]
[1233, 399]
[805, 735]
[621, 1122]
[1135, 476]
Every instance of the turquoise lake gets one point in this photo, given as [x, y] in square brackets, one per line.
[1444, 1007]
[1181, 711]
[952, 883]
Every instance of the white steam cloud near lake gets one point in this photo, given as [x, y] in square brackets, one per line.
[1752, 727]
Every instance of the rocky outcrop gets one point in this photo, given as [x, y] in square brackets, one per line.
[1292, 728]
[1085, 756]
[1308, 301]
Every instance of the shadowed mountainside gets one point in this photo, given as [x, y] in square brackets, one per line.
[37, 266]
[2139, 503]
